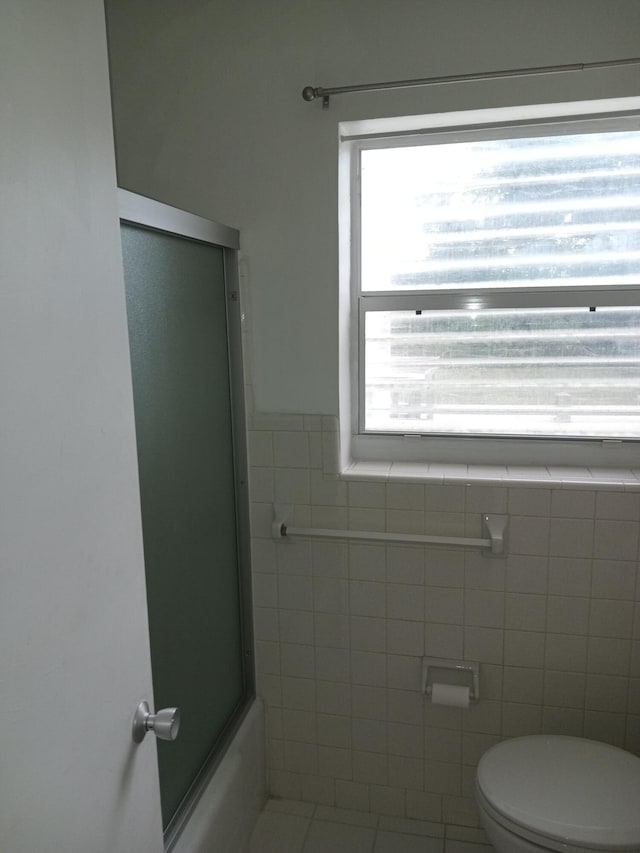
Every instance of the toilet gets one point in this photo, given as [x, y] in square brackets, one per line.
[556, 793]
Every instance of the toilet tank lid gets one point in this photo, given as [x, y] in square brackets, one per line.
[576, 790]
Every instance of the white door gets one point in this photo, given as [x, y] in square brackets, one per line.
[74, 647]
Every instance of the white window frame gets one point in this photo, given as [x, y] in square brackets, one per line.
[358, 445]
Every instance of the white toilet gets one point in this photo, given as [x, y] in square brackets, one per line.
[550, 792]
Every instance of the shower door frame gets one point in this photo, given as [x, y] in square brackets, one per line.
[144, 212]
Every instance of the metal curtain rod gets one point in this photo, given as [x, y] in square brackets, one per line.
[310, 93]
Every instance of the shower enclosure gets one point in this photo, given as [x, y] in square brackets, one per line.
[185, 340]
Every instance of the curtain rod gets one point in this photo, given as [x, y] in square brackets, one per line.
[310, 93]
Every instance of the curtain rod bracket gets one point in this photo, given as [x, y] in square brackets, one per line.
[310, 93]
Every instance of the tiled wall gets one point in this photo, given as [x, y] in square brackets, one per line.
[341, 628]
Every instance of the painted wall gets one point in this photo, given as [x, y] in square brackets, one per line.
[208, 116]
[74, 660]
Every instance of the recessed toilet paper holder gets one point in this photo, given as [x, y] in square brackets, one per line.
[453, 672]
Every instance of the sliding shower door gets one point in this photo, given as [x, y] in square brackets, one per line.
[180, 304]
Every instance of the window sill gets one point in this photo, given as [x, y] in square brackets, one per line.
[556, 477]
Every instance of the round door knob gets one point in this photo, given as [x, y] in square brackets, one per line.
[164, 724]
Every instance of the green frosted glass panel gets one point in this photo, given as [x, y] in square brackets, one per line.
[180, 368]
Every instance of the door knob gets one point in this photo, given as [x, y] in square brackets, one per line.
[164, 724]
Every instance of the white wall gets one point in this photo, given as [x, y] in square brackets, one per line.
[74, 659]
[209, 117]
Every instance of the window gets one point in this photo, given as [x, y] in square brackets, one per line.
[495, 276]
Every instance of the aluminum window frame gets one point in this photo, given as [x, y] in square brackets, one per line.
[480, 448]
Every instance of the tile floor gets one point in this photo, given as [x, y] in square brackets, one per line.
[286, 826]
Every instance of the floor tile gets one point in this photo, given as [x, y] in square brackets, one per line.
[325, 837]
[467, 847]
[279, 833]
[290, 807]
[396, 842]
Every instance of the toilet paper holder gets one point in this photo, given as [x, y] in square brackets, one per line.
[453, 672]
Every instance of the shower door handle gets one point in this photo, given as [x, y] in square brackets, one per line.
[165, 724]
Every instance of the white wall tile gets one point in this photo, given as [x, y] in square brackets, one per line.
[369, 735]
[610, 618]
[369, 668]
[564, 689]
[615, 540]
[290, 449]
[405, 521]
[299, 725]
[525, 612]
[334, 730]
[444, 605]
[619, 506]
[372, 495]
[295, 592]
[332, 697]
[570, 537]
[483, 573]
[527, 574]
[404, 671]
[298, 694]
[524, 648]
[407, 496]
[295, 626]
[370, 767]
[406, 706]
[573, 503]
[368, 634]
[331, 629]
[330, 559]
[444, 567]
[521, 719]
[528, 535]
[567, 614]
[260, 448]
[367, 598]
[330, 595]
[608, 656]
[367, 562]
[523, 685]
[405, 601]
[369, 703]
[614, 579]
[318, 789]
[406, 564]
[484, 608]
[529, 501]
[404, 638]
[291, 485]
[600, 725]
[606, 693]
[445, 498]
[566, 652]
[332, 664]
[569, 576]
[483, 644]
[563, 721]
[334, 762]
